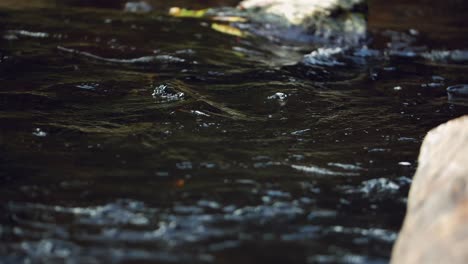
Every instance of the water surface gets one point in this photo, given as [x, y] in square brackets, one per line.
[135, 138]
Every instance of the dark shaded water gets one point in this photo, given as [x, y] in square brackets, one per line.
[137, 138]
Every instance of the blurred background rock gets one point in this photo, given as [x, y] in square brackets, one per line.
[444, 19]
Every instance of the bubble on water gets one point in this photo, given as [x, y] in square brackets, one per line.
[278, 96]
[165, 93]
[39, 133]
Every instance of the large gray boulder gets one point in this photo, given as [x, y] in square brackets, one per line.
[435, 229]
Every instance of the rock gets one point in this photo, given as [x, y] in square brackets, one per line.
[298, 12]
[458, 90]
[340, 21]
[435, 230]
[458, 94]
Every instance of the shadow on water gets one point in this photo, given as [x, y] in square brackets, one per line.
[145, 138]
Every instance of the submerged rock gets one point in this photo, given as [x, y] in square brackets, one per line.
[458, 94]
[434, 230]
[460, 90]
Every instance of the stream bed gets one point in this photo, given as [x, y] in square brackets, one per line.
[144, 138]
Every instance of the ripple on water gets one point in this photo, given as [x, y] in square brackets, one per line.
[124, 219]
[14, 34]
[207, 226]
[351, 167]
[84, 83]
[349, 259]
[446, 55]
[321, 171]
[376, 188]
[162, 58]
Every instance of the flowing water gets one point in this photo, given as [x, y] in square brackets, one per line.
[141, 138]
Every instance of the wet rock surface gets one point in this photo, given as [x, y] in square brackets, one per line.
[434, 229]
